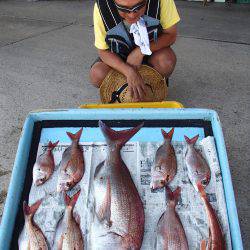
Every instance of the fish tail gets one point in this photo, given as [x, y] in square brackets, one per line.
[31, 210]
[169, 135]
[118, 137]
[51, 145]
[173, 196]
[70, 202]
[76, 136]
[191, 141]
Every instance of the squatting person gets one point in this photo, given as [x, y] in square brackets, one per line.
[117, 25]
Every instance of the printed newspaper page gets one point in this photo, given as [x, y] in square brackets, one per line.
[139, 158]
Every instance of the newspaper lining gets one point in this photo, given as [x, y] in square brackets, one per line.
[190, 208]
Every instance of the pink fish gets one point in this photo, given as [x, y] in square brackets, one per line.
[45, 165]
[165, 167]
[198, 169]
[117, 202]
[36, 239]
[72, 165]
[72, 237]
[170, 232]
[216, 239]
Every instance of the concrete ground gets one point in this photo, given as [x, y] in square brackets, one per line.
[46, 49]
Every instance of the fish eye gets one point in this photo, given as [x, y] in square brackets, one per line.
[101, 178]
[158, 167]
[162, 182]
[204, 182]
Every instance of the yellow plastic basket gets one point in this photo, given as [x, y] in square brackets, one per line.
[166, 104]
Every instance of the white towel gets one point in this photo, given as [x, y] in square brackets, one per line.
[140, 33]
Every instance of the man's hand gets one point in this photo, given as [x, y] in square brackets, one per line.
[136, 86]
[135, 57]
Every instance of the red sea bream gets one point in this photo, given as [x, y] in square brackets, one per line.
[72, 165]
[118, 206]
[198, 169]
[170, 232]
[165, 166]
[72, 236]
[45, 165]
[36, 239]
[216, 240]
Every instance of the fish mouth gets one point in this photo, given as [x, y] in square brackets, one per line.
[154, 190]
[155, 186]
[64, 187]
[159, 180]
[40, 181]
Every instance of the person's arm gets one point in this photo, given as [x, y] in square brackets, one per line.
[135, 82]
[165, 39]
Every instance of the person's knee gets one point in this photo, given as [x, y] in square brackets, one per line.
[97, 74]
[168, 61]
[165, 62]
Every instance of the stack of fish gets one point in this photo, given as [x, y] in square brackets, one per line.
[71, 172]
[118, 208]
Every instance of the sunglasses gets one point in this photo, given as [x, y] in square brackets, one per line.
[132, 9]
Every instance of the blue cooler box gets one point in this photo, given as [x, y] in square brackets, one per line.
[186, 121]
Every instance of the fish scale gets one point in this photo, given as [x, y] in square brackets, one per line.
[44, 165]
[72, 237]
[170, 232]
[36, 238]
[198, 169]
[165, 165]
[72, 166]
[126, 208]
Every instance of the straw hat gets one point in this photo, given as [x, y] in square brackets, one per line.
[114, 86]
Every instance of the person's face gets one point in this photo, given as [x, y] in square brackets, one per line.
[131, 10]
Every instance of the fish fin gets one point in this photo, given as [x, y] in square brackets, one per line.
[128, 242]
[105, 211]
[77, 218]
[203, 245]
[209, 239]
[51, 145]
[176, 194]
[112, 233]
[98, 168]
[191, 141]
[118, 137]
[76, 136]
[173, 196]
[60, 243]
[71, 201]
[77, 176]
[201, 189]
[31, 210]
[168, 135]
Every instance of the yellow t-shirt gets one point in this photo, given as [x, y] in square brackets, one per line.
[168, 17]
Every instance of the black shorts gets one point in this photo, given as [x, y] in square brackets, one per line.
[144, 61]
